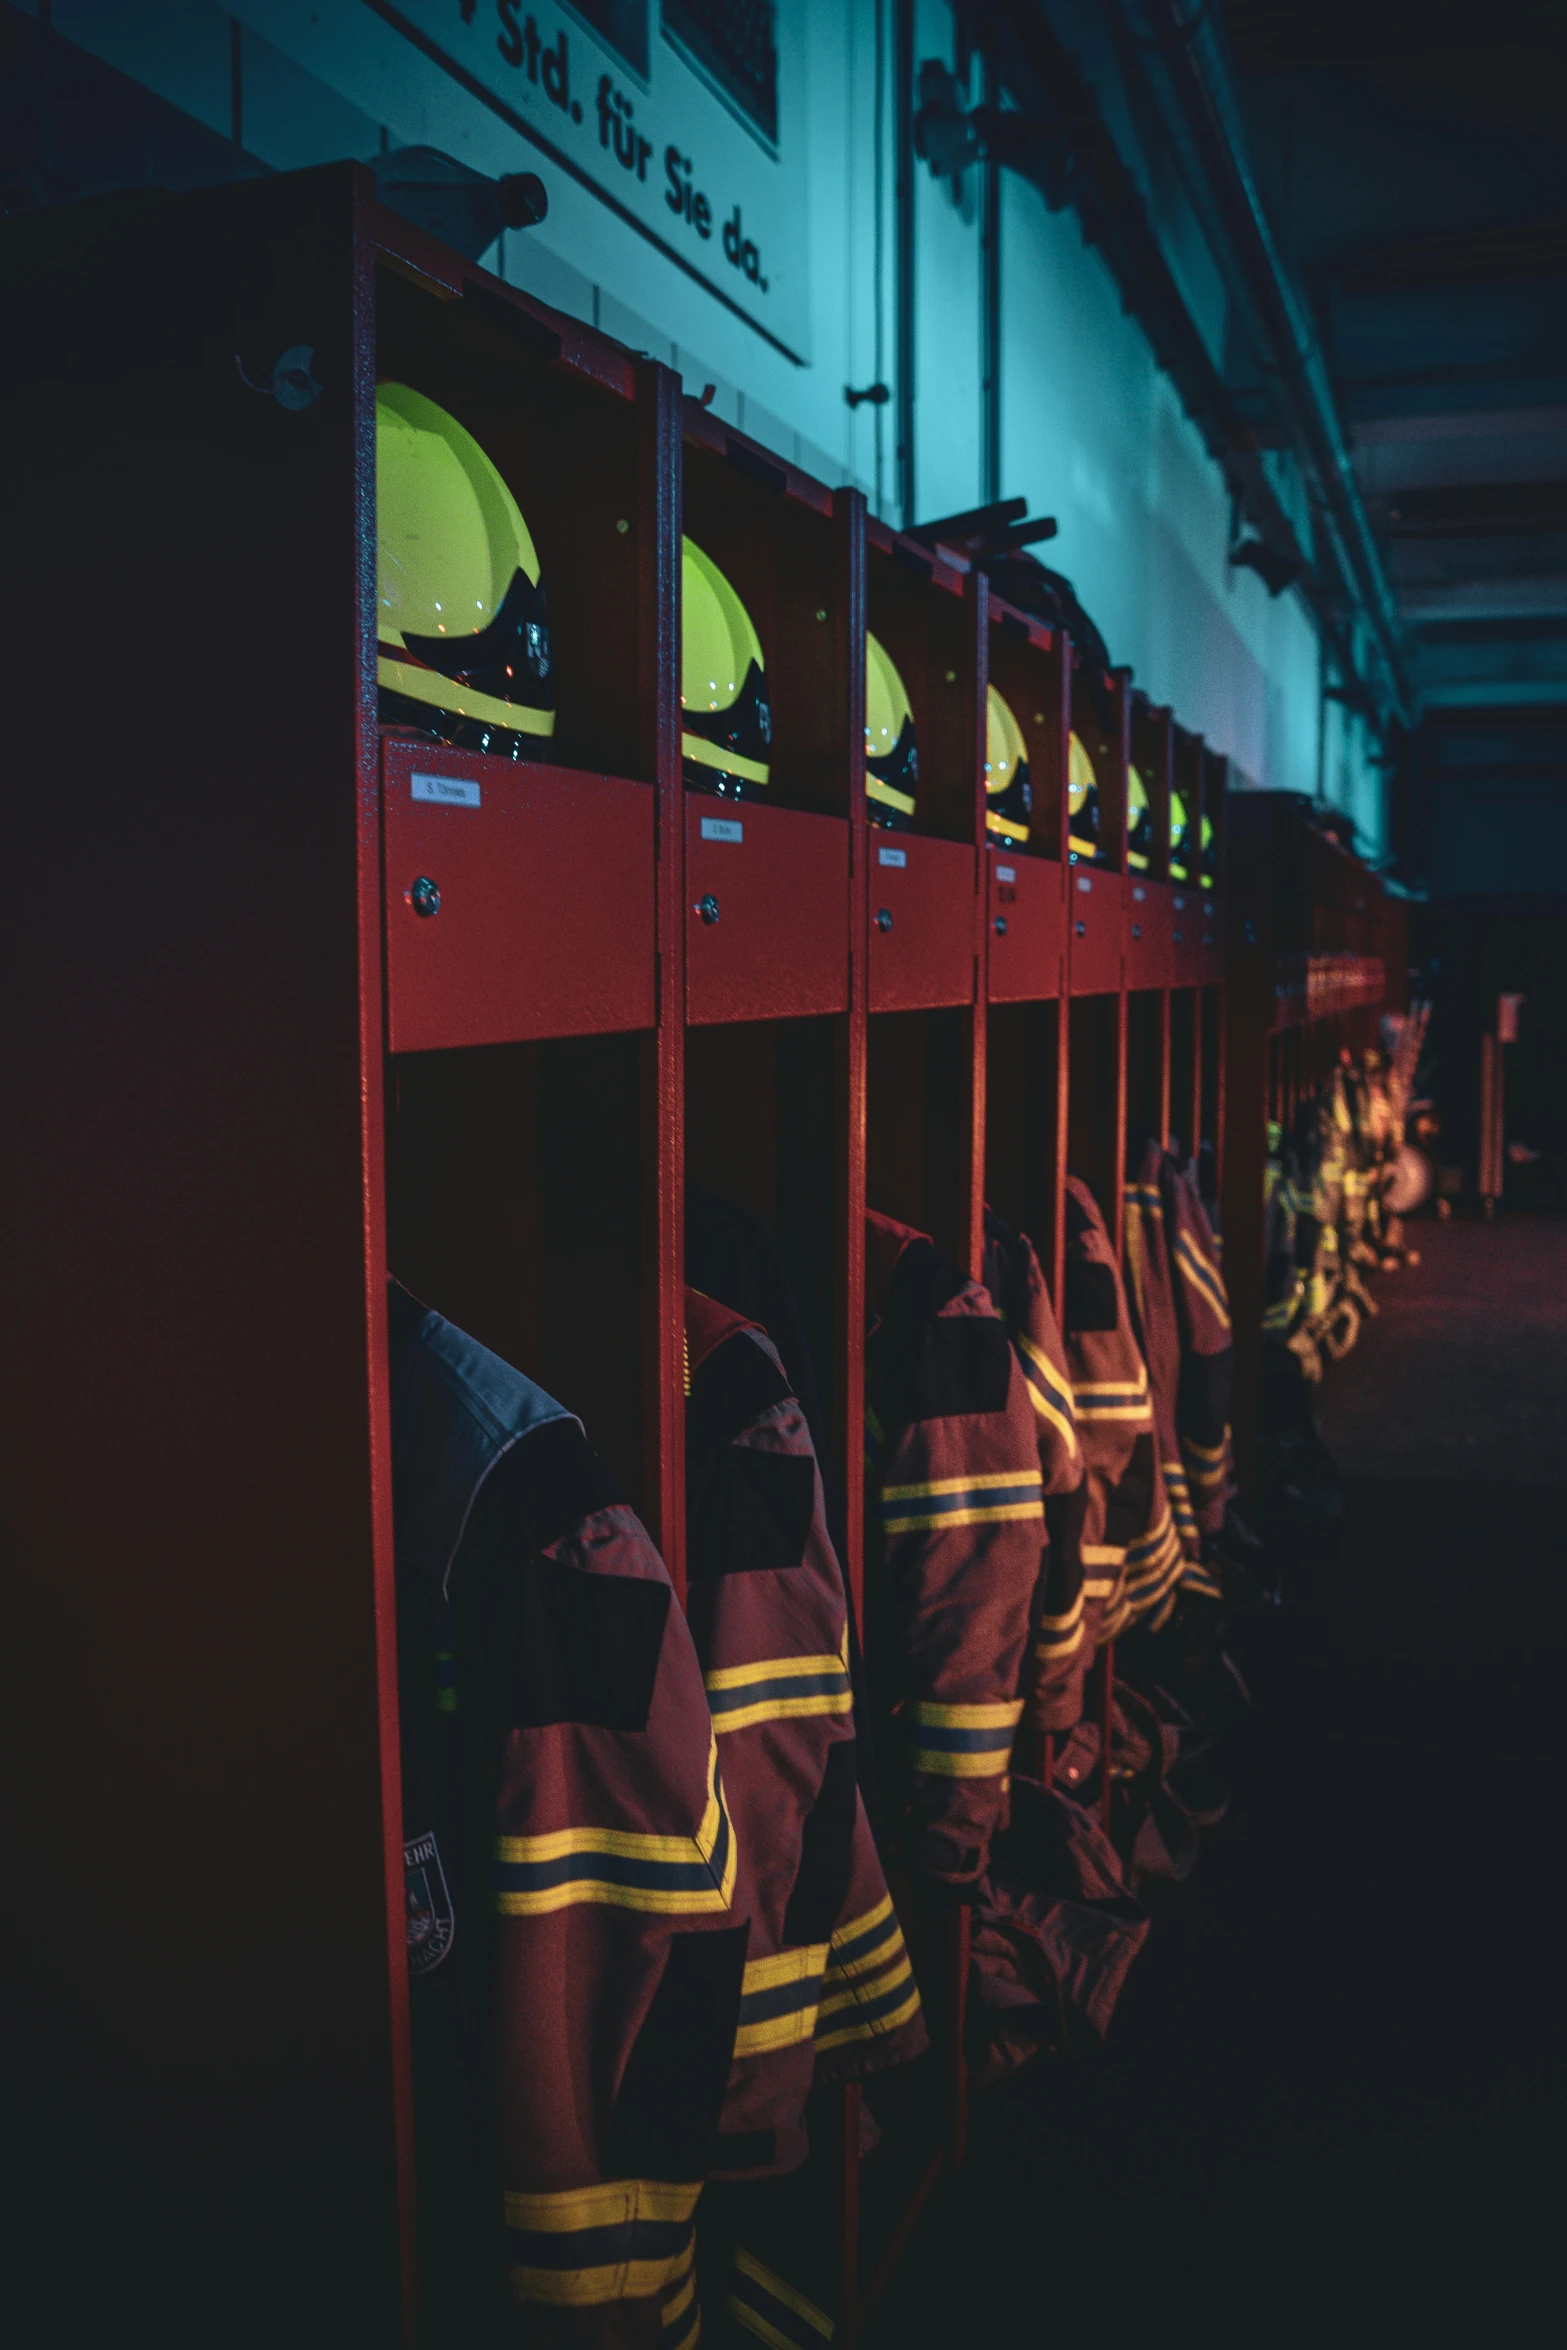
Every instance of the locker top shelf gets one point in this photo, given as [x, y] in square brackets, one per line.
[551, 336]
[704, 430]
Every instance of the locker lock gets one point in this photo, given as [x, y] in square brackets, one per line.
[1001, 926]
[1137, 930]
[1081, 928]
[708, 909]
[883, 918]
[425, 897]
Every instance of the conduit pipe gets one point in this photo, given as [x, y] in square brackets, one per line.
[1187, 69]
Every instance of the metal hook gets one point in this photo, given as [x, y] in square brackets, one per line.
[293, 382]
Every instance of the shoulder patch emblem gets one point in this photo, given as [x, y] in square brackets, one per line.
[431, 1926]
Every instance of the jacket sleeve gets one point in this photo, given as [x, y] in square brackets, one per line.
[1130, 1549]
[962, 1523]
[1057, 1659]
[769, 1616]
[870, 2014]
[619, 1944]
[1202, 1308]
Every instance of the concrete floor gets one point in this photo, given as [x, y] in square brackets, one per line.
[1332, 2104]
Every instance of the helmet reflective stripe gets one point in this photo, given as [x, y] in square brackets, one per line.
[723, 677]
[1082, 801]
[460, 615]
[1139, 823]
[1008, 792]
[891, 753]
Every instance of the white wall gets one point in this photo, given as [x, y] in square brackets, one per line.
[1091, 430]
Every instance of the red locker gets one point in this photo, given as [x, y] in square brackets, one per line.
[1027, 928]
[922, 922]
[1096, 907]
[1150, 922]
[519, 900]
[767, 911]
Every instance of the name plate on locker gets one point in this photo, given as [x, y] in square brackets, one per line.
[1006, 873]
[445, 791]
[722, 828]
[892, 856]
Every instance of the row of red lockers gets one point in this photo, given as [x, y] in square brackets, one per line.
[520, 904]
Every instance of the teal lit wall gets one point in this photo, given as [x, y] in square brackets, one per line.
[1090, 430]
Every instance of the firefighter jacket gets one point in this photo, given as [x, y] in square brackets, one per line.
[1131, 1551]
[1055, 1932]
[1181, 1316]
[955, 1530]
[574, 1943]
[827, 1978]
[1053, 1674]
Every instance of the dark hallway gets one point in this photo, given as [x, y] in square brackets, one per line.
[1331, 2104]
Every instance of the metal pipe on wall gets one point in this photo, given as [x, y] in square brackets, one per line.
[1186, 65]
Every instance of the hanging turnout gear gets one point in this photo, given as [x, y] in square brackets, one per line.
[463, 642]
[1009, 795]
[1131, 1551]
[575, 1947]
[1053, 1674]
[827, 1978]
[1180, 1313]
[725, 718]
[892, 764]
[954, 1533]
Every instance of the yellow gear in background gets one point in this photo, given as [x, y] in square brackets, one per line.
[1210, 857]
[727, 730]
[1009, 797]
[1082, 803]
[891, 752]
[1139, 824]
[463, 648]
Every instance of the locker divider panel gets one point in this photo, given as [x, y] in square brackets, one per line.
[581, 983]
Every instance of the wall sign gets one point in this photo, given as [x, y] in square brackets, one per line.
[683, 115]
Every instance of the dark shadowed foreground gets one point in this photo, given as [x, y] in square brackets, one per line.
[1332, 2102]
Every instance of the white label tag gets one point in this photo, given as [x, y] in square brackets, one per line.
[446, 791]
[892, 856]
[1006, 873]
[722, 828]
[1084, 884]
[1139, 894]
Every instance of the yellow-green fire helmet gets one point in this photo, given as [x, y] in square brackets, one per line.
[1139, 824]
[1178, 832]
[1009, 796]
[726, 723]
[463, 643]
[1210, 853]
[892, 766]
[1082, 804]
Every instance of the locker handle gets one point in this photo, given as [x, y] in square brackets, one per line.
[1081, 929]
[1001, 926]
[707, 907]
[425, 897]
[883, 918]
